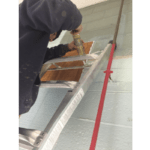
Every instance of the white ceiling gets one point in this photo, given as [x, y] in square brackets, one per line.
[82, 3]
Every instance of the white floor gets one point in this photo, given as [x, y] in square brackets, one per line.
[116, 124]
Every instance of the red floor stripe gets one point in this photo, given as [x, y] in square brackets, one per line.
[100, 108]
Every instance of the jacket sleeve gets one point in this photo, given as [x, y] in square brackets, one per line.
[49, 15]
[55, 52]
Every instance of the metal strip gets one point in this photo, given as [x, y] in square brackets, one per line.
[71, 101]
[44, 69]
[58, 84]
[67, 68]
[73, 58]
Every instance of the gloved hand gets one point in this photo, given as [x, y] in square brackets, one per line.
[72, 45]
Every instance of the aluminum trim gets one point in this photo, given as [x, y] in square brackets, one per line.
[71, 101]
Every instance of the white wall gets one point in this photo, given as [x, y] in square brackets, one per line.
[85, 3]
[20, 1]
[82, 3]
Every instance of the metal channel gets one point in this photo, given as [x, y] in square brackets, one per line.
[68, 68]
[59, 84]
[71, 101]
[73, 58]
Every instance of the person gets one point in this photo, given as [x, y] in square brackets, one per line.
[41, 21]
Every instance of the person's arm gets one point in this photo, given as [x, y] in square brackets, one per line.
[59, 50]
[49, 15]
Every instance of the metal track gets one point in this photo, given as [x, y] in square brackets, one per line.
[68, 105]
[71, 101]
[73, 58]
[59, 84]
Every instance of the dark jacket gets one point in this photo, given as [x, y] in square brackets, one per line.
[37, 20]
